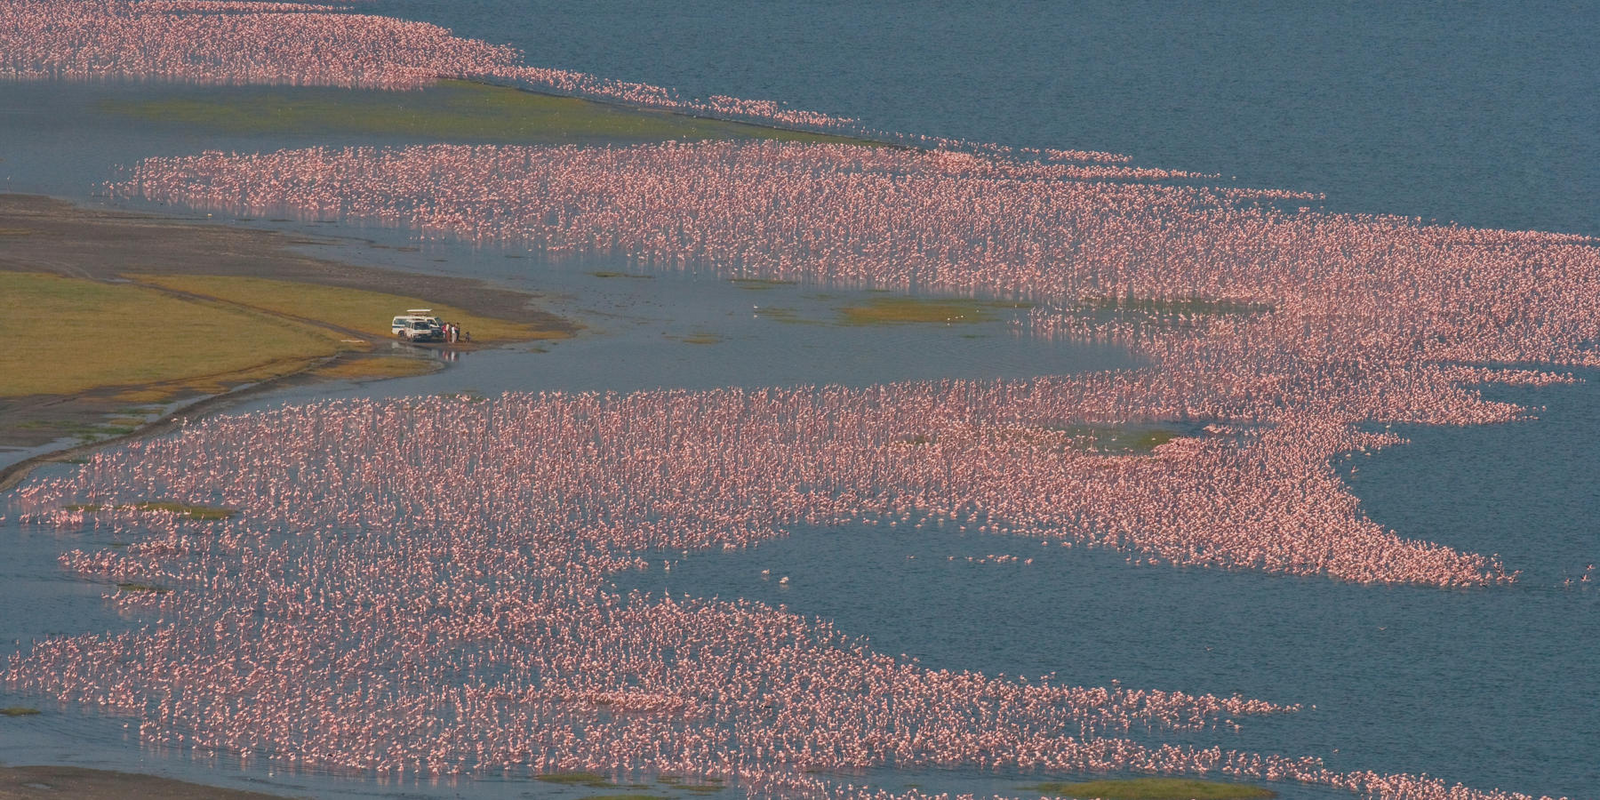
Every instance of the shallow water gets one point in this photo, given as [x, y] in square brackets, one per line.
[701, 332]
[1482, 115]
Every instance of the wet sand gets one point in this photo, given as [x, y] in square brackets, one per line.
[93, 784]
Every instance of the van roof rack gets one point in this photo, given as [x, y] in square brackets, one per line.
[419, 312]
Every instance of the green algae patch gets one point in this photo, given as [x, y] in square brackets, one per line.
[182, 509]
[1121, 441]
[1152, 789]
[450, 110]
[208, 513]
[1105, 440]
[148, 588]
[914, 310]
[376, 368]
[1117, 439]
[783, 314]
[694, 785]
[607, 273]
[82, 431]
[592, 780]
[19, 711]
[759, 284]
[1193, 305]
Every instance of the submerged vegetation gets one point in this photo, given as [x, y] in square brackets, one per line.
[590, 779]
[888, 310]
[1109, 440]
[451, 110]
[758, 284]
[19, 711]
[1119, 439]
[783, 314]
[143, 587]
[376, 368]
[903, 310]
[206, 513]
[1186, 306]
[1153, 789]
[190, 511]
[82, 431]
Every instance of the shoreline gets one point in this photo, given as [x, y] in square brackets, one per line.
[851, 137]
[449, 110]
[17, 783]
[133, 251]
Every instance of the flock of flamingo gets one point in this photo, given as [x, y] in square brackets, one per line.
[419, 586]
[306, 44]
[302, 44]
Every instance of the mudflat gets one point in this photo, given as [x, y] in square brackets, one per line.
[112, 316]
[42, 234]
[17, 783]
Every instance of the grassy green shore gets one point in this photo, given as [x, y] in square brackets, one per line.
[202, 332]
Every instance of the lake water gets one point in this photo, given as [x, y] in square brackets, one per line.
[1479, 113]
[1490, 688]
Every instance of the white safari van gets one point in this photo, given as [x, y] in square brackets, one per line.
[418, 325]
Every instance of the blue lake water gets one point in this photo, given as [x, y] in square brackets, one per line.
[1476, 112]
[1487, 687]
[1479, 112]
